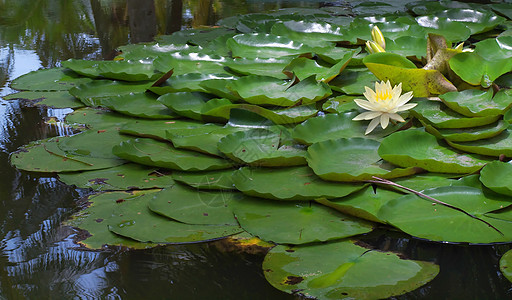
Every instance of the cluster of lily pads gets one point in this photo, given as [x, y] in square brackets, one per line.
[246, 129]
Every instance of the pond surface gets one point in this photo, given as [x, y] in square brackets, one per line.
[38, 258]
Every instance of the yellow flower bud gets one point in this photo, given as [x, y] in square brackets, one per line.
[378, 37]
[372, 47]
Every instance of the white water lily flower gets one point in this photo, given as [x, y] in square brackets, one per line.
[383, 104]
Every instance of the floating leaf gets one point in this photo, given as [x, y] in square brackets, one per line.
[161, 154]
[142, 105]
[259, 45]
[56, 79]
[417, 148]
[311, 33]
[92, 93]
[476, 103]
[351, 159]
[294, 183]
[298, 222]
[57, 99]
[45, 156]
[102, 208]
[303, 68]
[496, 176]
[352, 81]
[261, 147]
[272, 91]
[505, 264]
[212, 180]
[93, 143]
[190, 82]
[184, 63]
[96, 118]
[134, 220]
[191, 206]
[272, 67]
[440, 116]
[123, 177]
[157, 129]
[83, 67]
[469, 134]
[351, 272]
[495, 146]
[426, 219]
[185, 104]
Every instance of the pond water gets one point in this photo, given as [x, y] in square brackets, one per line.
[38, 258]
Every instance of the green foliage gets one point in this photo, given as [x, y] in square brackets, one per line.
[251, 130]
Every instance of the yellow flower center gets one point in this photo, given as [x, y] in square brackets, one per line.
[383, 95]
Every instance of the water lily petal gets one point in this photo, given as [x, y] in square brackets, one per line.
[384, 120]
[404, 99]
[406, 106]
[372, 125]
[365, 104]
[369, 94]
[396, 117]
[367, 115]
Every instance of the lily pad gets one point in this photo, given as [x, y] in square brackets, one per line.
[185, 104]
[424, 219]
[303, 68]
[95, 118]
[340, 104]
[184, 63]
[495, 146]
[311, 33]
[335, 126]
[56, 79]
[94, 218]
[353, 80]
[505, 265]
[190, 82]
[272, 67]
[440, 116]
[123, 177]
[298, 222]
[272, 91]
[294, 183]
[57, 99]
[134, 220]
[93, 143]
[83, 67]
[45, 156]
[261, 147]
[416, 148]
[496, 176]
[161, 154]
[191, 206]
[142, 105]
[157, 129]
[476, 103]
[469, 134]
[212, 180]
[356, 159]
[127, 70]
[352, 272]
[92, 93]
[257, 45]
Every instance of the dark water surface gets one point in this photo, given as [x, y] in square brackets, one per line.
[38, 259]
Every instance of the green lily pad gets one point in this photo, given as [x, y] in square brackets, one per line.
[490, 60]
[56, 99]
[202, 139]
[184, 63]
[469, 134]
[123, 177]
[335, 126]
[353, 80]
[352, 272]
[128, 70]
[190, 82]
[340, 104]
[93, 143]
[83, 67]
[303, 68]
[102, 208]
[272, 67]
[408, 46]
[161, 154]
[495, 146]
[56, 79]
[496, 176]
[92, 93]
[272, 91]
[221, 108]
[476, 103]
[424, 219]
[212, 180]
[355, 159]
[440, 116]
[45, 156]
[364, 204]
[157, 129]
[452, 31]
[186, 104]
[505, 264]
[191, 206]
[219, 88]
[311, 33]
[477, 21]
[294, 183]
[416, 148]
[134, 220]
[152, 50]
[261, 147]
[142, 105]
[259, 45]
[298, 222]
[95, 118]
